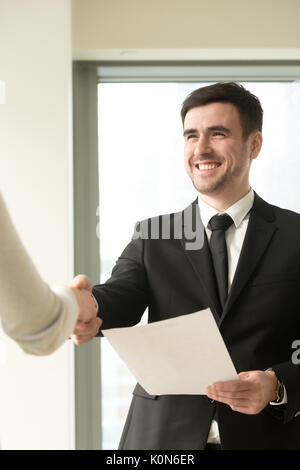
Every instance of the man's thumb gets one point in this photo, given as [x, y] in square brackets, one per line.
[81, 282]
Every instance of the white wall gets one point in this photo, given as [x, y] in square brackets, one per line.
[36, 394]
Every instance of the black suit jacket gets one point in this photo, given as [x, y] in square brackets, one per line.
[260, 321]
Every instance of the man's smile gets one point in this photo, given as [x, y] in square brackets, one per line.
[206, 167]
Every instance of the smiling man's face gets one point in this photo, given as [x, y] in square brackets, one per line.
[217, 157]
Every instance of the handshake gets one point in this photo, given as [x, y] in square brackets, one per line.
[88, 323]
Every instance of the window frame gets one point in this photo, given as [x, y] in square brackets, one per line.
[86, 76]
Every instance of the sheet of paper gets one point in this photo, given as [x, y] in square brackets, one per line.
[182, 355]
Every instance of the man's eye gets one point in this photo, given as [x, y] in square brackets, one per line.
[191, 137]
[219, 133]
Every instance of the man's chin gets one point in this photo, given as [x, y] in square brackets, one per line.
[208, 189]
[210, 186]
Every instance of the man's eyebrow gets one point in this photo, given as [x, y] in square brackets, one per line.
[190, 131]
[211, 128]
[219, 128]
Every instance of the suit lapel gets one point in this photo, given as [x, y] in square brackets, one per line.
[261, 228]
[201, 261]
[260, 231]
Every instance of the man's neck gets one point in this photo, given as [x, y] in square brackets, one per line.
[221, 202]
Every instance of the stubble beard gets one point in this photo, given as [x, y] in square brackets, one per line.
[221, 183]
[209, 187]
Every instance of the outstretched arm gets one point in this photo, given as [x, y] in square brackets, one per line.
[39, 318]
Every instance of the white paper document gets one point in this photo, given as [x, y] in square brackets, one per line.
[182, 355]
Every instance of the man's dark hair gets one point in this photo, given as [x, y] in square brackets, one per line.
[248, 105]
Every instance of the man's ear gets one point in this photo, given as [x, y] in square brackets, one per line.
[256, 140]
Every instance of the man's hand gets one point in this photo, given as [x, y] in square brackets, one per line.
[88, 307]
[85, 332]
[82, 288]
[81, 281]
[250, 394]
[88, 323]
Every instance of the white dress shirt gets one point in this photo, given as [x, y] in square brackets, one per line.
[234, 236]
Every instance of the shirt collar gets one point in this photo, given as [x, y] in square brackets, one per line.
[237, 211]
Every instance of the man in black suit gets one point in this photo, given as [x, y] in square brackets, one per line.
[246, 271]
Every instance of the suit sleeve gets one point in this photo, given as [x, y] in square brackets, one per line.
[289, 374]
[124, 297]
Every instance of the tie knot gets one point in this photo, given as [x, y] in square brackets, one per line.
[220, 222]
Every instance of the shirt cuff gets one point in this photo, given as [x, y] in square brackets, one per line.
[283, 401]
[96, 302]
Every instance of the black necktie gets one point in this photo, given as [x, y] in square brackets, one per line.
[218, 225]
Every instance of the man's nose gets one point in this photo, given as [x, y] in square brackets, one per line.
[202, 146]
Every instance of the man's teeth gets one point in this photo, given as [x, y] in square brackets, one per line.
[207, 167]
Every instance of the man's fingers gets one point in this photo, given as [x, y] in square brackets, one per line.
[244, 402]
[87, 328]
[85, 332]
[81, 329]
[244, 375]
[230, 386]
[81, 281]
[247, 395]
[230, 396]
[80, 325]
[236, 402]
[232, 392]
[81, 340]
